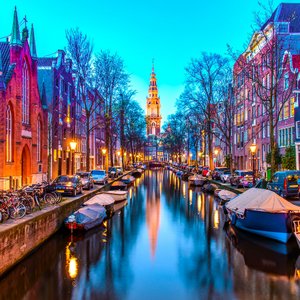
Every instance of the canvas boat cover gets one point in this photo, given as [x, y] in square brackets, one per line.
[101, 199]
[118, 183]
[261, 200]
[116, 192]
[90, 216]
[195, 177]
[129, 177]
[226, 195]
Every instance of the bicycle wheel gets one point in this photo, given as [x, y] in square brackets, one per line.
[17, 210]
[27, 203]
[36, 199]
[5, 213]
[59, 197]
[31, 201]
[49, 199]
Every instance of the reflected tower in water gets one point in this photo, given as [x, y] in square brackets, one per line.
[153, 210]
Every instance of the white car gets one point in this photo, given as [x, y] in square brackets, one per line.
[100, 177]
[225, 176]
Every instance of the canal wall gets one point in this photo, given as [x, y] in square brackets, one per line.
[18, 238]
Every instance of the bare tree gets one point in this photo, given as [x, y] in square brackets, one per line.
[80, 50]
[110, 80]
[203, 76]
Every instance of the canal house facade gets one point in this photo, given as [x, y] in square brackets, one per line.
[23, 134]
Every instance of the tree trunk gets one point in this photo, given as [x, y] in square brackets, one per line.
[87, 142]
[272, 144]
[210, 146]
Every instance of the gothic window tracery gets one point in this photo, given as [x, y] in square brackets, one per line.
[25, 94]
[39, 138]
[8, 134]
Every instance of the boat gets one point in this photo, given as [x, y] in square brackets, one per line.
[106, 201]
[265, 213]
[86, 217]
[210, 187]
[179, 173]
[137, 173]
[117, 195]
[118, 186]
[118, 206]
[216, 192]
[128, 180]
[185, 176]
[225, 195]
[196, 180]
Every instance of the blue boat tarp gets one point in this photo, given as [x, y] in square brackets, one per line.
[90, 216]
[261, 200]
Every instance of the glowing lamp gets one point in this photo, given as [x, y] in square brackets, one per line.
[216, 151]
[103, 151]
[73, 145]
[253, 148]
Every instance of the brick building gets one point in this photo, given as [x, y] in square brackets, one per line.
[252, 82]
[23, 133]
[57, 90]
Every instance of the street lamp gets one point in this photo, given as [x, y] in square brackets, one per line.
[191, 155]
[253, 149]
[73, 145]
[103, 154]
[216, 153]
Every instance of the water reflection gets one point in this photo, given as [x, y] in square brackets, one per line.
[170, 241]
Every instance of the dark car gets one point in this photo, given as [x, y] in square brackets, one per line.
[237, 175]
[284, 183]
[216, 173]
[67, 184]
[112, 171]
[87, 179]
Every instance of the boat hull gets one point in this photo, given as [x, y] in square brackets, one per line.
[117, 197]
[271, 225]
[196, 182]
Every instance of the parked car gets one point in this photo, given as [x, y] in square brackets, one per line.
[216, 173]
[120, 170]
[67, 184]
[112, 172]
[237, 175]
[284, 183]
[205, 171]
[86, 179]
[225, 175]
[100, 177]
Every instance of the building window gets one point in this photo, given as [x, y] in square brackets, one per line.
[8, 134]
[263, 130]
[280, 111]
[286, 110]
[39, 138]
[286, 80]
[268, 129]
[25, 94]
[55, 155]
[268, 81]
[283, 28]
[298, 129]
[258, 110]
[292, 112]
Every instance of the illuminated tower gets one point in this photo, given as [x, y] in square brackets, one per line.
[153, 117]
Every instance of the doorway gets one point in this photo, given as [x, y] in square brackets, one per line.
[25, 166]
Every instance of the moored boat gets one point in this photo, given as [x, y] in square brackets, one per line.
[106, 201]
[117, 195]
[225, 195]
[128, 180]
[265, 213]
[137, 173]
[118, 185]
[196, 180]
[86, 217]
[210, 187]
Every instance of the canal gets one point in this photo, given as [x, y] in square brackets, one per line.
[168, 242]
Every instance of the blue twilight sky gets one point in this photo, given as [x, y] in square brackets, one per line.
[170, 31]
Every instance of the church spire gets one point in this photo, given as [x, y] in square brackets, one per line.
[32, 44]
[15, 35]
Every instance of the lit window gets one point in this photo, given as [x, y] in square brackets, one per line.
[8, 134]
[286, 80]
[39, 138]
[292, 107]
[286, 110]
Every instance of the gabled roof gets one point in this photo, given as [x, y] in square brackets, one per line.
[45, 61]
[286, 12]
[5, 57]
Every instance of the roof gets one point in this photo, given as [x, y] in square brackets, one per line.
[261, 200]
[296, 61]
[5, 56]
[45, 61]
[286, 12]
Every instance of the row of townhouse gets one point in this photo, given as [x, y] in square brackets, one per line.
[252, 83]
[41, 114]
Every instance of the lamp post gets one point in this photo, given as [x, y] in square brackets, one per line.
[183, 158]
[119, 153]
[130, 157]
[191, 155]
[253, 150]
[216, 153]
[73, 147]
[199, 154]
[103, 154]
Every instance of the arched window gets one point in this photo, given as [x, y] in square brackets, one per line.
[25, 95]
[8, 134]
[39, 139]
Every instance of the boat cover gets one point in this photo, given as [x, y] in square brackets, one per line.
[118, 183]
[129, 177]
[261, 200]
[195, 177]
[226, 195]
[116, 192]
[90, 216]
[101, 199]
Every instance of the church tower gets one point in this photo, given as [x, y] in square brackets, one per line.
[153, 117]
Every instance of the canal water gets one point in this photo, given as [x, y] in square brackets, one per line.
[169, 242]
